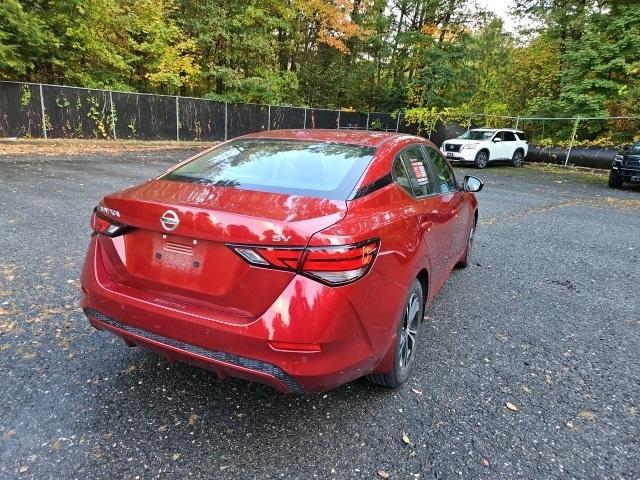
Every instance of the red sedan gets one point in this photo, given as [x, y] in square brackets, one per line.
[299, 259]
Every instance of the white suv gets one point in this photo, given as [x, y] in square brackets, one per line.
[484, 145]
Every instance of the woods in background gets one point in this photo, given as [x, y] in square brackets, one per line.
[579, 57]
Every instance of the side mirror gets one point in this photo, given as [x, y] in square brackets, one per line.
[472, 184]
[497, 139]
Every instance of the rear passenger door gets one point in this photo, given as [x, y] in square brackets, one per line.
[509, 144]
[452, 202]
[433, 219]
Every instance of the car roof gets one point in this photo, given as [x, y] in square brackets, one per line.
[496, 129]
[366, 138]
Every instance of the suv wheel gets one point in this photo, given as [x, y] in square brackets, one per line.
[406, 340]
[518, 159]
[614, 180]
[482, 159]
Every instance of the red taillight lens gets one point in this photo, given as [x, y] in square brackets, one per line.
[106, 226]
[334, 265]
[342, 264]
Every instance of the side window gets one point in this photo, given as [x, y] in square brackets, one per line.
[415, 163]
[444, 177]
[400, 175]
[522, 136]
[508, 137]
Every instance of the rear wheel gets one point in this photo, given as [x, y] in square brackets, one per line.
[464, 263]
[482, 159]
[406, 340]
[615, 181]
[518, 159]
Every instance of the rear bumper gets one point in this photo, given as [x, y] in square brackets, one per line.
[222, 363]
[352, 328]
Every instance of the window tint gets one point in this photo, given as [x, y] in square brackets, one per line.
[522, 136]
[415, 163]
[314, 169]
[444, 178]
[400, 175]
[508, 137]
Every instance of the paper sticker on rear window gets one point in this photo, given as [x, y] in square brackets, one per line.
[419, 171]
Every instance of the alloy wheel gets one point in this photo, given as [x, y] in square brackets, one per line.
[409, 331]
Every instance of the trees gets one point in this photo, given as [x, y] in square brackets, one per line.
[581, 56]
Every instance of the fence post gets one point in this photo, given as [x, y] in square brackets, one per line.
[398, 123]
[177, 121]
[517, 121]
[113, 116]
[304, 124]
[573, 136]
[226, 136]
[368, 113]
[338, 119]
[433, 125]
[44, 118]
[269, 118]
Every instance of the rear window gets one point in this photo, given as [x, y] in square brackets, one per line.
[313, 169]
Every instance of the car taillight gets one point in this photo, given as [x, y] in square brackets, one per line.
[333, 265]
[105, 226]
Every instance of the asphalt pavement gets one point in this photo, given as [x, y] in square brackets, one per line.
[529, 361]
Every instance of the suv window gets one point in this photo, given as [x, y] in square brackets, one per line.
[445, 178]
[508, 137]
[522, 136]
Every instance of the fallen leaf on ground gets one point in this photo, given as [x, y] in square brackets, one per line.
[23, 469]
[382, 474]
[193, 419]
[512, 407]
[569, 424]
[587, 415]
[416, 391]
[163, 428]
[406, 439]
[526, 389]
[485, 462]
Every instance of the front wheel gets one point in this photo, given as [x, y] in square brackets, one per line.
[406, 340]
[615, 181]
[482, 159]
[518, 159]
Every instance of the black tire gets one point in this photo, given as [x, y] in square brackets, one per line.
[518, 158]
[406, 340]
[464, 263]
[482, 159]
[615, 181]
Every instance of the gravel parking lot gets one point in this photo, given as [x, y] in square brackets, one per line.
[529, 364]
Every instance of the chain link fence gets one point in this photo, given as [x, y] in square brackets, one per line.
[29, 110]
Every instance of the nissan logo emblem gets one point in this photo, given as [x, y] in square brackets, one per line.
[169, 220]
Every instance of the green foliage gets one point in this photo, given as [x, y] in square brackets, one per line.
[443, 61]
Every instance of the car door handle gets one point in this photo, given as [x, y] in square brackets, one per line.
[426, 225]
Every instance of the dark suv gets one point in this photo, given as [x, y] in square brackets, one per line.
[626, 166]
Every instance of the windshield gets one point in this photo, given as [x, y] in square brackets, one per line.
[477, 135]
[635, 148]
[313, 169]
